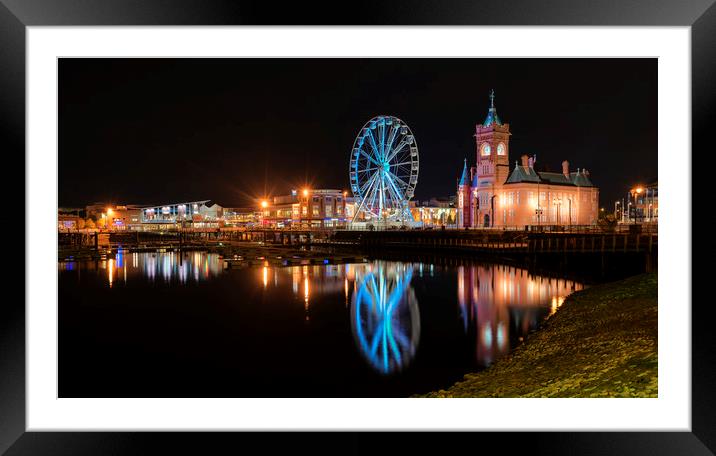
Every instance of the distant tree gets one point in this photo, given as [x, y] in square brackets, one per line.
[89, 223]
[607, 221]
[80, 224]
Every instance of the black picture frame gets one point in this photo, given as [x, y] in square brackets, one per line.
[16, 15]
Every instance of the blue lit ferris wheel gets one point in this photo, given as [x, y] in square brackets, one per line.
[384, 169]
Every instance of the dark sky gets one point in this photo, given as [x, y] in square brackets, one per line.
[153, 131]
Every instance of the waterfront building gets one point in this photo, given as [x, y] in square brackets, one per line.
[68, 222]
[114, 216]
[641, 204]
[241, 217]
[191, 214]
[435, 216]
[309, 208]
[494, 194]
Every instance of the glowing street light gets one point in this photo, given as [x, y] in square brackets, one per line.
[264, 204]
[558, 203]
[305, 192]
[635, 193]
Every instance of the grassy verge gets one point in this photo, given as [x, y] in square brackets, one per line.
[601, 343]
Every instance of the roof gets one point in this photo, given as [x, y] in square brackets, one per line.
[528, 174]
[523, 174]
[175, 204]
[492, 116]
[464, 180]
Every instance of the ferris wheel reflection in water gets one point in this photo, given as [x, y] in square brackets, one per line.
[384, 316]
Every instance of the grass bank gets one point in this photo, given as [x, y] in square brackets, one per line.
[601, 343]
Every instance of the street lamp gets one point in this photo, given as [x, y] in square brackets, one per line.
[492, 210]
[616, 204]
[557, 202]
[635, 193]
[108, 223]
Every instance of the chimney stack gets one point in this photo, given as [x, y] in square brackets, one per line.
[565, 168]
[526, 161]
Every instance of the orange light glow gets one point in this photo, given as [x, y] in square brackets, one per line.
[305, 192]
[264, 203]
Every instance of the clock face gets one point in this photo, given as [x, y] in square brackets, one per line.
[485, 149]
[501, 149]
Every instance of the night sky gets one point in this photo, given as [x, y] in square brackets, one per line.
[154, 131]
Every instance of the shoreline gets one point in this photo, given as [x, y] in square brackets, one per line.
[601, 343]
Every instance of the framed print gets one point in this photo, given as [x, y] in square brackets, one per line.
[243, 217]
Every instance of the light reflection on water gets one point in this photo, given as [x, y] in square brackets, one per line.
[496, 301]
[496, 305]
[153, 266]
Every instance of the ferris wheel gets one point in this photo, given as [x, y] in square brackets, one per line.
[384, 169]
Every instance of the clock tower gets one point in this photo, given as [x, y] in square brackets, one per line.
[492, 138]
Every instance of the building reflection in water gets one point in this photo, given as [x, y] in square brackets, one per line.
[168, 267]
[500, 305]
[384, 315]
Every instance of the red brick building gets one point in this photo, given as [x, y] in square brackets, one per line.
[494, 194]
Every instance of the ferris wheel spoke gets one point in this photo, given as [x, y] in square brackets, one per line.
[396, 150]
[396, 193]
[374, 146]
[391, 342]
[376, 339]
[368, 183]
[373, 160]
[382, 138]
[393, 131]
[401, 164]
[400, 181]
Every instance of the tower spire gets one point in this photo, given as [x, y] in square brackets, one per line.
[464, 180]
[492, 112]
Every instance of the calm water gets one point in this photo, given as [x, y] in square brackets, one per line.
[161, 325]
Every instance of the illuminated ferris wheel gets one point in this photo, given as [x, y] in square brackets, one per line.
[384, 169]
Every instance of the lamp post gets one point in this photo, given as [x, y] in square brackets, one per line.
[492, 210]
[557, 203]
[108, 223]
[569, 199]
[635, 193]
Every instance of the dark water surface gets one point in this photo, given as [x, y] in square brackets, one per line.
[161, 325]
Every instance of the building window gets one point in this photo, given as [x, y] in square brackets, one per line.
[329, 211]
[316, 210]
[304, 211]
